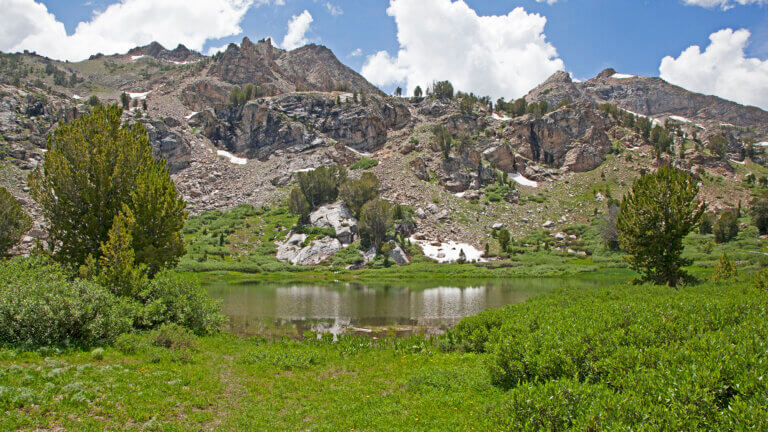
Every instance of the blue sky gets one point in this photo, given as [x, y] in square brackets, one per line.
[632, 36]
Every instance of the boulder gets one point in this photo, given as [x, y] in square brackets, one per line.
[288, 250]
[338, 217]
[317, 252]
[498, 226]
[419, 168]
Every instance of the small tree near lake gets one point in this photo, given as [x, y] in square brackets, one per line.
[659, 211]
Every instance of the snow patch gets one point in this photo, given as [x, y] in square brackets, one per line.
[232, 158]
[449, 251]
[184, 62]
[76, 97]
[139, 96]
[357, 152]
[134, 58]
[501, 117]
[740, 163]
[680, 119]
[191, 115]
[762, 144]
[460, 194]
[621, 76]
[520, 179]
[303, 170]
[728, 124]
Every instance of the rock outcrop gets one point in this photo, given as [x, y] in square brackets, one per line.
[300, 122]
[314, 253]
[275, 71]
[180, 54]
[338, 217]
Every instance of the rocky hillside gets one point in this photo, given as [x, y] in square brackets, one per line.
[544, 169]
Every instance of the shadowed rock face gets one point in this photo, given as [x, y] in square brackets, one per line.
[275, 71]
[651, 97]
[299, 122]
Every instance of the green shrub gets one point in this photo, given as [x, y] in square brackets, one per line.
[365, 163]
[39, 307]
[179, 299]
[724, 269]
[173, 336]
[97, 354]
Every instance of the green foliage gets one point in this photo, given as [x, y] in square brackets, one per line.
[442, 90]
[759, 212]
[365, 163]
[726, 228]
[14, 222]
[375, 222]
[321, 186]
[117, 269]
[500, 192]
[417, 92]
[173, 298]
[503, 237]
[240, 96]
[537, 109]
[96, 168]
[299, 206]
[706, 223]
[125, 100]
[655, 215]
[94, 101]
[718, 145]
[661, 140]
[724, 269]
[621, 357]
[40, 307]
[355, 193]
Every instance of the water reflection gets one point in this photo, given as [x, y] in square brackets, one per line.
[276, 308]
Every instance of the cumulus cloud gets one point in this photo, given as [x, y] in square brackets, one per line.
[721, 70]
[27, 24]
[724, 4]
[298, 27]
[356, 53]
[504, 55]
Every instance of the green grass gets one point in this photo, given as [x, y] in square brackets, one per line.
[627, 357]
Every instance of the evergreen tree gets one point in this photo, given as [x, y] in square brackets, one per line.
[726, 228]
[355, 193]
[724, 269]
[321, 186]
[418, 92]
[13, 222]
[375, 221]
[398, 92]
[759, 213]
[117, 269]
[503, 238]
[96, 168]
[655, 215]
[298, 205]
[125, 100]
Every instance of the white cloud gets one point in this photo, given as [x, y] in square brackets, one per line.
[356, 53]
[724, 4]
[504, 55]
[27, 24]
[333, 9]
[298, 27]
[213, 50]
[722, 69]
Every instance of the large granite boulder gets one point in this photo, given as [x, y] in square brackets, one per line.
[338, 217]
[317, 252]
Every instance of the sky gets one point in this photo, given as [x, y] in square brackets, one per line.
[501, 48]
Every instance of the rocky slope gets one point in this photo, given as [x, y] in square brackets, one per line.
[315, 111]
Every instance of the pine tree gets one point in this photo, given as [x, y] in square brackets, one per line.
[417, 92]
[125, 100]
[375, 221]
[117, 269]
[655, 215]
[298, 205]
[96, 168]
[13, 222]
[724, 269]
[503, 238]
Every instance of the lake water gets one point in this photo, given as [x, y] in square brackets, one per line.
[274, 309]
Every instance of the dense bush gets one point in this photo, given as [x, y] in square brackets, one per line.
[355, 193]
[628, 358]
[178, 299]
[39, 306]
[13, 221]
[365, 163]
[375, 222]
[759, 213]
[321, 186]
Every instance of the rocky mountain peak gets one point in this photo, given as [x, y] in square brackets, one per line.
[276, 71]
[155, 50]
[558, 87]
[606, 73]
